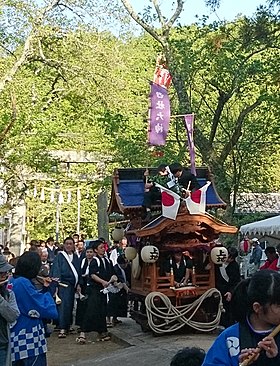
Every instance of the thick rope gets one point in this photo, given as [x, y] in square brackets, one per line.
[169, 318]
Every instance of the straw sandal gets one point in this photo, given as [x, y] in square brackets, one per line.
[81, 340]
[103, 338]
[62, 334]
[116, 321]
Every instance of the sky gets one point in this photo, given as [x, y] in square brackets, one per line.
[228, 10]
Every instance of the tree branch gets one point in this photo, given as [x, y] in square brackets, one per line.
[159, 13]
[12, 122]
[8, 77]
[176, 14]
[222, 100]
[143, 24]
[238, 130]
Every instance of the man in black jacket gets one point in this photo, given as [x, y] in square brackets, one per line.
[227, 277]
[185, 178]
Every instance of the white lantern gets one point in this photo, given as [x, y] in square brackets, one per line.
[130, 253]
[150, 254]
[219, 255]
[135, 268]
[117, 233]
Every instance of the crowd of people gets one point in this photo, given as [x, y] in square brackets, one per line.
[48, 281]
[40, 289]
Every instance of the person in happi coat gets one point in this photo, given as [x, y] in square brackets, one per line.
[272, 259]
[82, 297]
[181, 266]
[8, 311]
[117, 305]
[28, 341]
[227, 277]
[66, 267]
[186, 180]
[100, 272]
[51, 248]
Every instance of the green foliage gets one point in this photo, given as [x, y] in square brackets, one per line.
[83, 88]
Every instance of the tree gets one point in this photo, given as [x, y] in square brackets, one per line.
[226, 83]
[34, 76]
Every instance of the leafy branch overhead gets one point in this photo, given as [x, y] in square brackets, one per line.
[219, 77]
[77, 74]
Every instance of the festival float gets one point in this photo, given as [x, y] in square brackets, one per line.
[156, 303]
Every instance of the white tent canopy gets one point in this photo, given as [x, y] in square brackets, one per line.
[268, 226]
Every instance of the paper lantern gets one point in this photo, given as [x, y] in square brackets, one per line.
[219, 255]
[150, 254]
[245, 246]
[130, 253]
[135, 267]
[117, 233]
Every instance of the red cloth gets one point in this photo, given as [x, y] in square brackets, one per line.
[162, 76]
[270, 265]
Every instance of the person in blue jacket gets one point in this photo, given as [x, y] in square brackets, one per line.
[256, 308]
[28, 342]
[8, 311]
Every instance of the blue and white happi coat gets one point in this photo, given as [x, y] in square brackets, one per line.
[28, 334]
[225, 350]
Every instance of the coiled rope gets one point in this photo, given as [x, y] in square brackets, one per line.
[168, 318]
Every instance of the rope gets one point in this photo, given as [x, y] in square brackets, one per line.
[169, 318]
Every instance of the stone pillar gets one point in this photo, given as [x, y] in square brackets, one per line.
[102, 216]
[17, 227]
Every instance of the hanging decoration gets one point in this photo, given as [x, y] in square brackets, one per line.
[60, 198]
[61, 195]
[117, 233]
[159, 115]
[159, 112]
[149, 254]
[130, 253]
[245, 246]
[42, 196]
[162, 76]
[219, 254]
[52, 197]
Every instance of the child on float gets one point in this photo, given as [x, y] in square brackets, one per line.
[256, 307]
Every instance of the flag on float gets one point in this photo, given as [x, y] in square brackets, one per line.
[159, 115]
[196, 202]
[170, 202]
[189, 121]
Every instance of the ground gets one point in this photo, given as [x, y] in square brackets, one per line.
[66, 352]
[129, 346]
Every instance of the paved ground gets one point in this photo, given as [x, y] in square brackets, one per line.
[137, 348]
